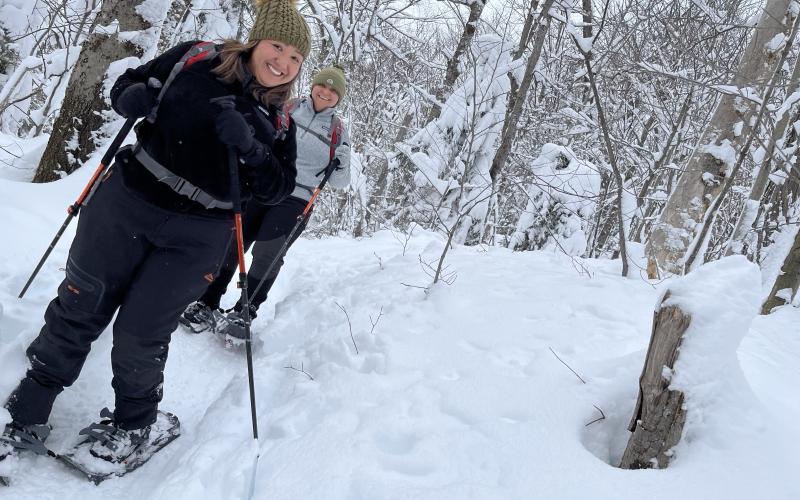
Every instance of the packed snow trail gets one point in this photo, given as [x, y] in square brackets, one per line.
[452, 395]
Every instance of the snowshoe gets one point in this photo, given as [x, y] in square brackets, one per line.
[198, 318]
[109, 451]
[231, 327]
[16, 438]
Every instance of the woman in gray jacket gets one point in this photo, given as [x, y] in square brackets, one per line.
[268, 226]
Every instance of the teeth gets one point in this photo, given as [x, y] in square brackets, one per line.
[274, 71]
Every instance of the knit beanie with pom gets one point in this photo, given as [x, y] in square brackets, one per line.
[279, 20]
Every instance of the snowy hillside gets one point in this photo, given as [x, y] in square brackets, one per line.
[455, 395]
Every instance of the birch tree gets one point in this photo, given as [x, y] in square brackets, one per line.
[677, 233]
[776, 158]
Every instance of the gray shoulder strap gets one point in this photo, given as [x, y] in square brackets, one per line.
[199, 51]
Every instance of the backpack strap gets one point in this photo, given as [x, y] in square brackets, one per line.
[336, 140]
[284, 118]
[199, 52]
[336, 135]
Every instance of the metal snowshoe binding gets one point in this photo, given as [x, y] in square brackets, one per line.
[231, 326]
[199, 317]
[112, 443]
[16, 438]
[107, 450]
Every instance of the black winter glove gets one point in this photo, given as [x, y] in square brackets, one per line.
[332, 167]
[234, 131]
[135, 101]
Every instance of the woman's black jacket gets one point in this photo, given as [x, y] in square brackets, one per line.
[183, 138]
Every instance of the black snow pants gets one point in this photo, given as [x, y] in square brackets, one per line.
[268, 227]
[136, 259]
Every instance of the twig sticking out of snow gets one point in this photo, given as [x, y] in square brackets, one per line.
[375, 323]
[601, 417]
[349, 325]
[562, 361]
[415, 286]
[301, 370]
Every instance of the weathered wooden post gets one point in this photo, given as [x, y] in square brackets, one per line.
[697, 327]
[658, 417]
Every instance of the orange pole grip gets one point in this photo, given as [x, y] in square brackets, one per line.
[237, 218]
[88, 187]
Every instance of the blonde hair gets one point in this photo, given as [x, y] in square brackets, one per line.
[232, 56]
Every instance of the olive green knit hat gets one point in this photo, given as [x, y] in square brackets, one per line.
[333, 77]
[279, 20]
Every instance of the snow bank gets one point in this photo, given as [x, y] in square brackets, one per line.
[453, 395]
[722, 298]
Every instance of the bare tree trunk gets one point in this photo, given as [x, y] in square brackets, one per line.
[751, 207]
[658, 417]
[612, 157]
[710, 164]
[516, 99]
[755, 122]
[72, 140]
[452, 73]
[588, 18]
[524, 40]
[517, 96]
[788, 281]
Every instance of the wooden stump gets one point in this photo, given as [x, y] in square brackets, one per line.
[658, 417]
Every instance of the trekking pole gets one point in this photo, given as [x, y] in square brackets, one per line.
[83, 199]
[302, 218]
[236, 198]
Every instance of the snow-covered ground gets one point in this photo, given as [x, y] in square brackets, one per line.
[453, 395]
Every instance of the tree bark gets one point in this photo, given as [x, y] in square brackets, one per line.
[516, 99]
[736, 245]
[788, 281]
[728, 129]
[73, 137]
[704, 230]
[612, 158]
[537, 32]
[658, 417]
[452, 73]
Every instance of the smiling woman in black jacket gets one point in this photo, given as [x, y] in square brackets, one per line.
[157, 229]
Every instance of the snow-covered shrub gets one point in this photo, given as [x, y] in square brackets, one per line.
[453, 153]
[561, 200]
[8, 56]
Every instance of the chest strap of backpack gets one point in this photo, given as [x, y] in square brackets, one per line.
[175, 182]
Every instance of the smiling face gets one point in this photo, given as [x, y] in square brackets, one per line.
[324, 97]
[274, 63]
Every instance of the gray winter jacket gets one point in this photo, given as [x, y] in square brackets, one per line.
[313, 149]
